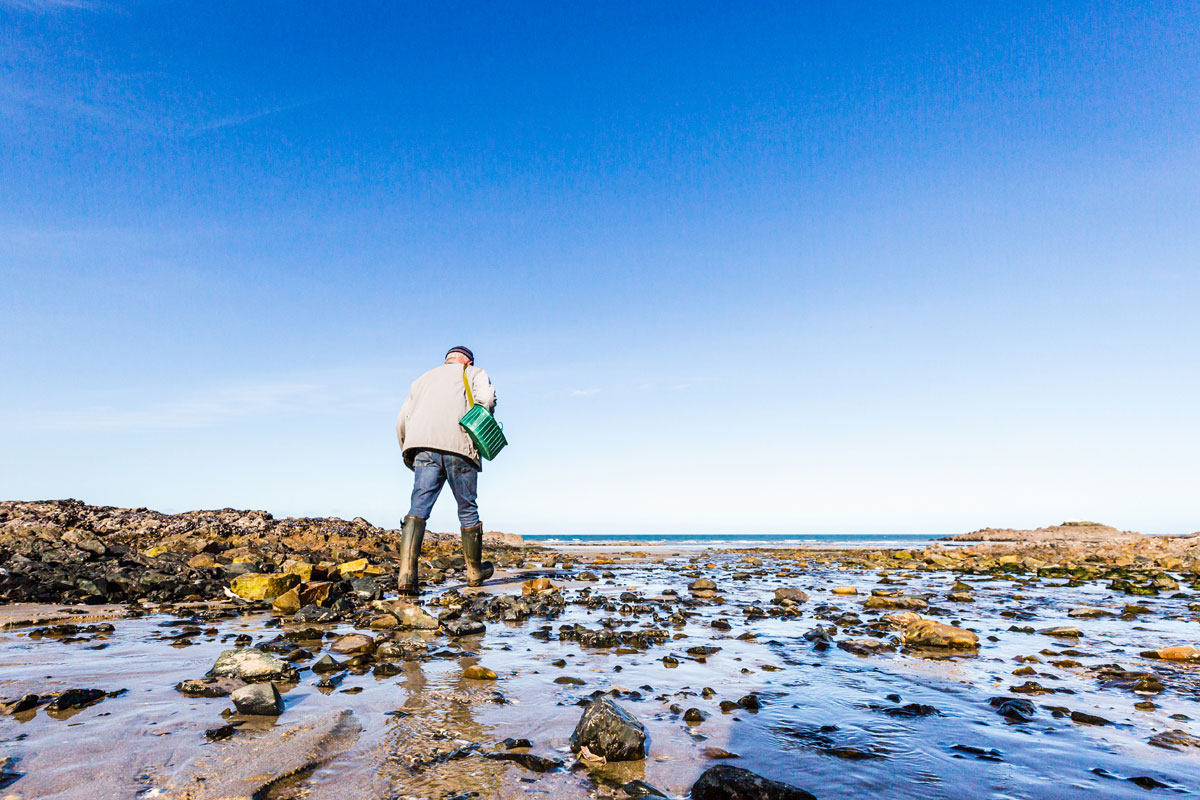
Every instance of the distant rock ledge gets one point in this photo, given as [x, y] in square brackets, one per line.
[1066, 533]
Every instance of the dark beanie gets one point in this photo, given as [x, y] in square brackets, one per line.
[464, 350]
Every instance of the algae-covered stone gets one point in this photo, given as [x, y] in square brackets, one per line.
[263, 585]
[927, 633]
[609, 731]
[288, 602]
[352, 568]
[478, 672]
[252, 666]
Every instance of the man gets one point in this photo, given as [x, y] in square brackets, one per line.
[438, 450]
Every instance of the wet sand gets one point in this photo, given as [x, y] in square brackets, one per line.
[831, 721]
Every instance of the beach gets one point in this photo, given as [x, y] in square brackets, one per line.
[1063, 669]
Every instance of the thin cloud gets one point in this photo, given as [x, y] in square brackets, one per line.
[222, 407]
[46, 5]
[235, 120]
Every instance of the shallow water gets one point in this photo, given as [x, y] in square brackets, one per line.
[823, 723]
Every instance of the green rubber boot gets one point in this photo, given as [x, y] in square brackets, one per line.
[410, 551]
[478, 570]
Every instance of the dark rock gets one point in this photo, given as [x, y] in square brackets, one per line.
[327, 663]
[724, 782]
[75, 698]
[527, 760]
[463, 627]
[24, 703]
[511, 743]
[636, 788]
[315, 614]
[210, 687]
[258, 698]
[610, 731]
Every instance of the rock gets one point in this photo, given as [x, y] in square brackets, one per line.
[202, 561]
[288, 602]
[865, 647]
[316, 593]
[538, 586]
[384, 622]
[527, 760]
[1088, 613]
[927, 633]
[366, 588]
[23, 703]
[609, 731]
[259, 699]
[1084, 718]
[639, 788]
[315, 614]
[844, 590]
[1016, 709]
[262, 585]
[209, 687]
[75, 698]
[1177, 653]
[788, 595]
[463, 627]
[1174, 740]
[702, 585]
[1064, 631]
[327, 663]
[895, 603]
[724, 782]
[901, 620]
[715, 753]
[252, 666]
[416, 618]
[694, 715]
[478, 672]
[353, 644]
[353, 568]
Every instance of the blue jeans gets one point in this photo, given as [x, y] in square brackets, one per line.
[432, 469]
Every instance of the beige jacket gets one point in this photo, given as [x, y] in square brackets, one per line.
[429, 418]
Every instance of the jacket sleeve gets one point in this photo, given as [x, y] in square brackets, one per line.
[481, 387]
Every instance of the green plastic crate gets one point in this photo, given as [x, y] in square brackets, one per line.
[481, 426]
[484, 431]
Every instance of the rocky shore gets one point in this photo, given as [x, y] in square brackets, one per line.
[270, 659]
[64, 551]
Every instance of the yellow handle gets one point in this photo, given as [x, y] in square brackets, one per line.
[467, 386]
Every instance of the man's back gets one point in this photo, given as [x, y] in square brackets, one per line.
[436, 402]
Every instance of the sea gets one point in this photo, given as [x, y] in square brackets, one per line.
[692, 541]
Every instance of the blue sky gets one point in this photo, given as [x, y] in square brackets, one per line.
[762, 268]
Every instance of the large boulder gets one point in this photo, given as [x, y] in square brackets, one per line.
[259, 699]
[927, 633]
[788, 595]
[263, 585]
[608, 730]
[724, 782]
[252, 666]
